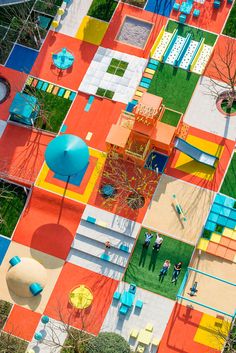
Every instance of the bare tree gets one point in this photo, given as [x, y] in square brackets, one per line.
[223, 67]
[131, 183]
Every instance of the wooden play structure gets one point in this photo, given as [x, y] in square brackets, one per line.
[141, 131]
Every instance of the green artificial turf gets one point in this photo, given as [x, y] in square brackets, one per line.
[102, 9]
[55, 109]
[176, 86]
[145, 265]
[228, 110]
[230, 27]
[228, 186]
[11, 207]
[170, 117]
[197, 33]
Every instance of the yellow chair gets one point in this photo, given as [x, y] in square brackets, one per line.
[156, 341]
[134, 333]
[149, 327]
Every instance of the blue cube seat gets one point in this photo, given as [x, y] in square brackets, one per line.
[124, 248]
[176, 6]
[182, 18]
[105, 257]
[123, 309]
[216, 4]
[116, 295]
[139, 304]
[91, 219]
[196, 13]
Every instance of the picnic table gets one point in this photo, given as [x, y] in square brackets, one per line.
[186, 7]
[127, 298]
[144, 337]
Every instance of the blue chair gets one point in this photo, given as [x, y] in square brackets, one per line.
[123, 309]
[116, 295]
[196, 13]
[176, 6]
[182, 18]
[139, 304]
[14, 261]
[132, 288]
[35, 288]
[216, 4]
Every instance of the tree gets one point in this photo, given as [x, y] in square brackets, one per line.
[131, 183]
[107, 342]
[223, 67]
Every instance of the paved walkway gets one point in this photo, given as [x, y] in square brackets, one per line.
[73, 17]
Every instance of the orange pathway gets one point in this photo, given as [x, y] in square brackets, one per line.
[49, 223]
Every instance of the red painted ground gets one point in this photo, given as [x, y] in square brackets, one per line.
[210, 19]
[16, 80]
[223, 46]
[48, 223]
[71, 78]
[180, 331]
[122, 10]
[22, 322]
[98, 120]
[102, 288]
[22, 153]
[119, 205]
[213, 184]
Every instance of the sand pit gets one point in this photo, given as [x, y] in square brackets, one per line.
[134, 32]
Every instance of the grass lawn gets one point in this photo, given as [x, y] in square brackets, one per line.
[170, 117]
[12, 201]
[230, 27]
[55, 109]
[176, 86]
[197, 33]
[228, 186]
[9, 343]
[5, 309]
[145, 265]
[102, 9]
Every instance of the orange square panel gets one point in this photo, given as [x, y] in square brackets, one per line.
[224, 241]
[232, 245]
[229, 255]
[220, 251]
[212, 247]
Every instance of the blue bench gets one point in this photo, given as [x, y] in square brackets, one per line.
[123, 309]
[116, 295]
[139, 304]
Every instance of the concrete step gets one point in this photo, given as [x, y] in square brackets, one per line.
[102, 235]
[95, 264]
[90, 246]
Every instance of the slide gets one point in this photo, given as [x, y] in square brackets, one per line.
[195, 153]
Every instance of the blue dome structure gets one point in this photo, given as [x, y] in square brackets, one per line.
[67, 155]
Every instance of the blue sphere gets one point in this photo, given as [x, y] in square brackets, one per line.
[38, 336]
[45, 319]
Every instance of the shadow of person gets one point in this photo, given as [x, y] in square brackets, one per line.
[143, 256]
[153, 260]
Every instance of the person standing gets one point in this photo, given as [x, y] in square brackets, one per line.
[176, 271]
[158, 242]
[148, 237]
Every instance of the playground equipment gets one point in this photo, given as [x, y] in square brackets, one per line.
[26, 277]
[179, 209]
[67, 155]
[195, 153]
[5, 89]
[81, 297]
[183, 52]
[63, 59]
[45, 319]
[24, 109]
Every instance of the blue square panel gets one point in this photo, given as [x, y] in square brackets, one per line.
[233, 214]
[220, 199]
[229, 202]
[213, 217]
[210, 226]
[22, 59]
[222, 220]
[4, 244]
[230, 223]
[156, 160]
[161, 7]
[225, 211]
[216, 208]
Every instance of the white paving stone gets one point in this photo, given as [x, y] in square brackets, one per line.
[54, 334]
[124, 87]
[202, 112]
[156, 310]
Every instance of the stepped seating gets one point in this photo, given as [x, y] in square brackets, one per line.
[146, 78]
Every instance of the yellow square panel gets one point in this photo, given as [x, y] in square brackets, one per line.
[203, 244]
[50, 88]
[228, 232]
[92, 30]
[102, 224]
[138, 93]
[208, 332]
[215, 238]
[150, 71]
[233, 236]
[188, 165]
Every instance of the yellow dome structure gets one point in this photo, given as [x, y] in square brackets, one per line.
[24, 274]
[81, 297]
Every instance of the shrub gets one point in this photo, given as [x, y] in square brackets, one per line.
[107, 342]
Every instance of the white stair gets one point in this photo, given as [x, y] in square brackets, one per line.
[188, 55]
[95, 264]
[175, 50]
[161, 48]
[203, 59]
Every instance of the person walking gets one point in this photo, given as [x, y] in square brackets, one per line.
[176, 271]
[148, 237]
[158, 242]
[164, 270]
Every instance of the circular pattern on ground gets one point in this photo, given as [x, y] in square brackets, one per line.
[5, 89]
[81, 297]
[221, 104]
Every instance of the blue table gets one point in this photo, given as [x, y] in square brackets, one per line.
[63, 59]
[127, 298]
[186, 8]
